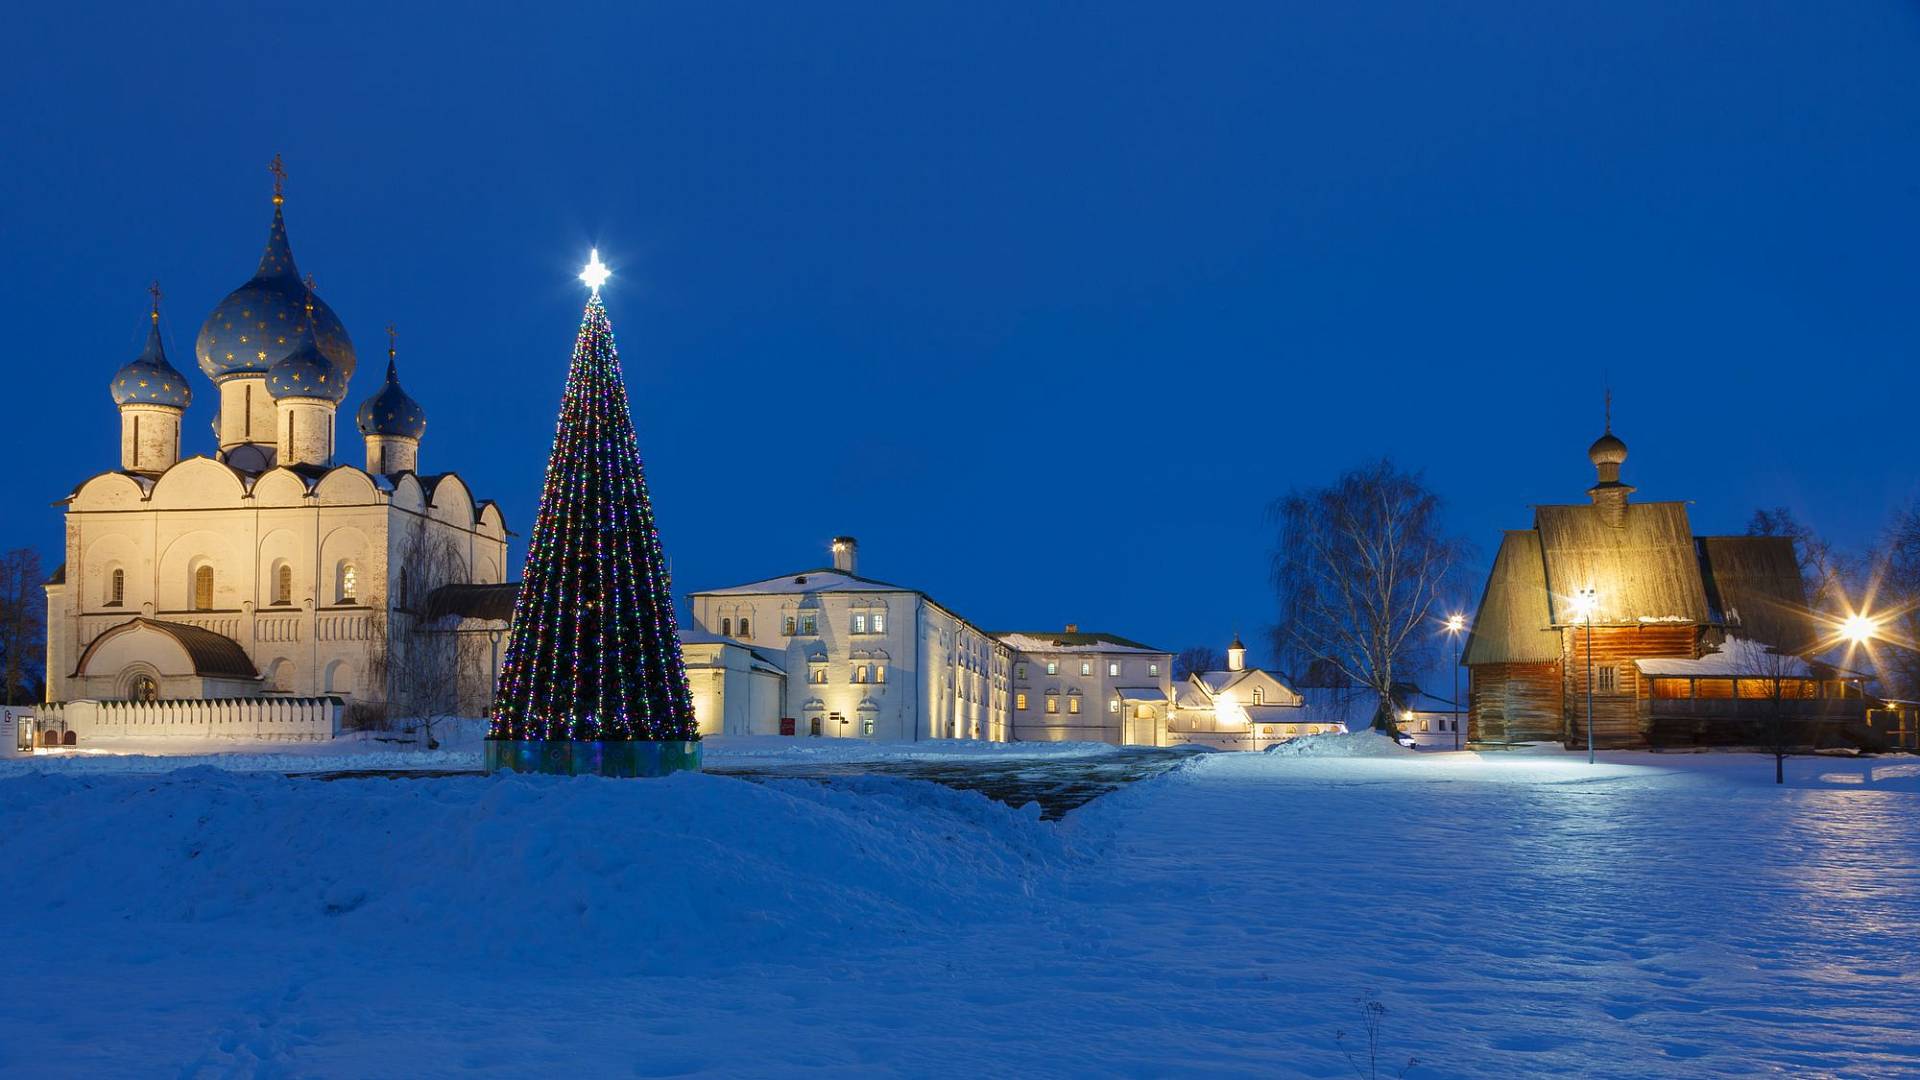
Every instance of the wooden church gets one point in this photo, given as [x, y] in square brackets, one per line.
[1681, 638]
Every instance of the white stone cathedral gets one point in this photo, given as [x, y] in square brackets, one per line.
[270, 567]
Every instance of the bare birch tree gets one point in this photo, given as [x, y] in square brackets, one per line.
[1357, 569]
[23, 628]
[1896, 598]
[1197, 659]
[419, 663]
[1824, 569]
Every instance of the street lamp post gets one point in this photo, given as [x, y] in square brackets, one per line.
[1455, 624]
[1586, 602]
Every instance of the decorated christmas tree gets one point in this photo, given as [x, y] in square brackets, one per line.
[593, 680]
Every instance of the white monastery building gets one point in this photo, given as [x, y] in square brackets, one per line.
[857, 657]
[831, 653]
[269, 568]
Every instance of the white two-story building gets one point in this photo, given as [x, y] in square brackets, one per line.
[861, 658]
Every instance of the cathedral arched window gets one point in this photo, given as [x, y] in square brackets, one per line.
[348, 591]
[746, 631]
[726, 627]
[116, 587]
[283, 584]
[203, 589]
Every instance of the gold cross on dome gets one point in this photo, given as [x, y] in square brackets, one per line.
[279, 171]
[393, 337]
[153, 290]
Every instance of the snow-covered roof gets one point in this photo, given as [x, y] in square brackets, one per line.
[1352, 706]
[1736, 657]
[1141, 693]
[1283, 714]
[759, 659]
[808, 581]
[1040, 641]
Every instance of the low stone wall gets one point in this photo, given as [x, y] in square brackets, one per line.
[262, 719]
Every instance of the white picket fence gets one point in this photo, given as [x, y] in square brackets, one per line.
[270, 719]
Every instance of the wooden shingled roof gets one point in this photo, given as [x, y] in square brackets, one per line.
[1644, 570]
[1513, 625]
[1755, 588]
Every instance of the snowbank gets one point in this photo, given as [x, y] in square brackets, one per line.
[1341, 744]
[667, 876]
[745, 748]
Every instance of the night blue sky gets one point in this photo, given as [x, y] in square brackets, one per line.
[1044, 306]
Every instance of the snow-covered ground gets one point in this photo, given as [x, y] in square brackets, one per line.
[460, 749]
[1516, 913]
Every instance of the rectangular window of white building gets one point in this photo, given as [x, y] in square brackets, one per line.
[878, 622]
[859, 622]
[1086, 667]
[1113, 669]
[1053, 667]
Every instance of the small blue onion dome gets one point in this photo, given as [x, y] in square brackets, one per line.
[391, 411]
[150, 379]
[306, 371]
[262, 322]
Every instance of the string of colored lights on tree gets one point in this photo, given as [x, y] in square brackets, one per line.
[595, 653]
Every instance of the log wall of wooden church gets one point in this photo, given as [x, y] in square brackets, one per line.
[1616, 681]
[1514, 702]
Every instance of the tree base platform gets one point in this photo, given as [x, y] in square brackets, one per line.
[566, 757]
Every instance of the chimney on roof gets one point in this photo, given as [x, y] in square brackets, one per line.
[846, 554]
[1609, 494]
[1073, 628]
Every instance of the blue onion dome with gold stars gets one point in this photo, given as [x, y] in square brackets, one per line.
[149, 379]
[391, 411]
[306, 371]
[261, 323]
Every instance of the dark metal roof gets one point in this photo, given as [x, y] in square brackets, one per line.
[212, 655]
[474, 601]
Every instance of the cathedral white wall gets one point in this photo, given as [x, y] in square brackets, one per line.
[392, 454]
[317, 641]
[149, 437]
[247, 413]
[305, 427]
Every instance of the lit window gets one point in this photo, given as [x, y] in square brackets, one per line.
[860, 673]
[879, 673]
[1153, 670]
[1053, 667]
[1019, 701]
[745, 633]
[1114, 705]
[859, 622]
[866, 725]
[1259, 696]
[1073, 705]
[283, 584]
[787, 628]
[817, 674]
[1053, 703]
[1113, 669]
[117, 588]
[349, 583]
[879, 622]
[1607, 679]
[203, 589]
[1086, 667]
